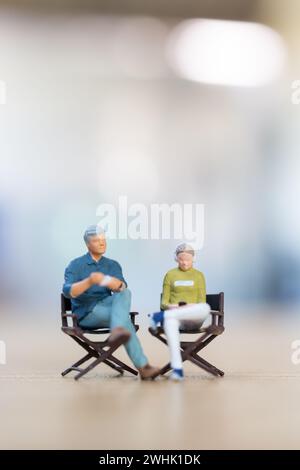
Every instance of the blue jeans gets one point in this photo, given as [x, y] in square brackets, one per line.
[114, 311]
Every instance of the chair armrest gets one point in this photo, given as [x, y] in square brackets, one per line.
[132, 316]
[217, 313]
[217, 318]
[69, 315]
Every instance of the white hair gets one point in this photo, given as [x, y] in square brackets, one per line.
[91, 231]
[184, 248]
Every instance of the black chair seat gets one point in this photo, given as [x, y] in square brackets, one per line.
[99, 331]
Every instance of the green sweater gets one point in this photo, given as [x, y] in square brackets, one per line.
[183, 286]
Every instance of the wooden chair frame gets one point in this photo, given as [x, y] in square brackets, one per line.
[100, 351]
[190, 349]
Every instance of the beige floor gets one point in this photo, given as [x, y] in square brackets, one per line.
[256, 404]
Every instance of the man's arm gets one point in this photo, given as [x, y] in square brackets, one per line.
[100, 279]
[73, 288]
[71, 277]
[117, 274]
[80, 287]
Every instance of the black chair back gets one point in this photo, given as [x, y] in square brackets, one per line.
[66, 305]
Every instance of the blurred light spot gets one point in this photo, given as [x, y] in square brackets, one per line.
[226, 52]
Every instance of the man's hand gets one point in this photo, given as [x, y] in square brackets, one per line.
[96, 278]
[113, 284]
[80, 287]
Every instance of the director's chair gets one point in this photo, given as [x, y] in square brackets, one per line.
[94, 349]
[190, 349]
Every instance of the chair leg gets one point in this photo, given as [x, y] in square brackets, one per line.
[158, 336]
[189, 353]
[113, 366]
[202, 361]
[122, 365]
[103, 356]
[95, 349]
[162, 371]
[90, 367]
[203, 366]
[78, 363]
[112, 359]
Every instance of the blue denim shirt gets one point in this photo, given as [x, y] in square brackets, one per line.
[79, 269]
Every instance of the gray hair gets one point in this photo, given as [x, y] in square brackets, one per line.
[184, 248]
[91, 231]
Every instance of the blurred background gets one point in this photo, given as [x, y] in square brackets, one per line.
[164, 102]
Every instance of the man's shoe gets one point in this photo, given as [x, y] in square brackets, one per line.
[118, 336]
[148, 372]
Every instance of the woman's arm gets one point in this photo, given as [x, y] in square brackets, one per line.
[165, 300]
[202, 288]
